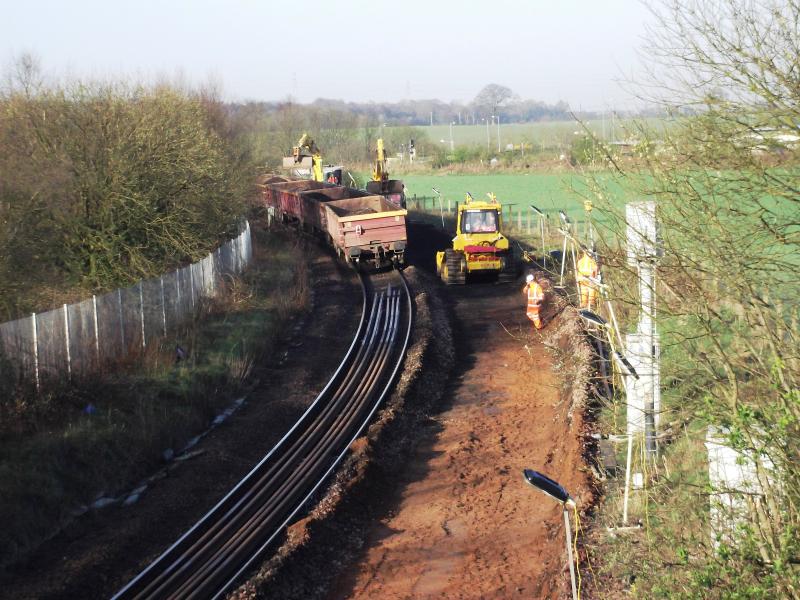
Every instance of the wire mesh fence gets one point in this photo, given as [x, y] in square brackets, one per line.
[520, 220]
[80, 338]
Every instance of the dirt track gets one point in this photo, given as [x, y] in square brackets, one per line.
[466, 524]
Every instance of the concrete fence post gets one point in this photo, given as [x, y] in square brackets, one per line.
[121, 321]
[177, 294]
[96, 329]
[35, 351]
[141, 313]
[66, 342]
[163, 307]
[191, 284]
[203, 279]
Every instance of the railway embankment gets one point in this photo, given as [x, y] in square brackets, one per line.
[93, 555]
[319, 547]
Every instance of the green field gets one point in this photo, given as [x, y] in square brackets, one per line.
[541, 135]
[548, 192]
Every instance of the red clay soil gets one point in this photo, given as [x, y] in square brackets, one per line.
[467, 525]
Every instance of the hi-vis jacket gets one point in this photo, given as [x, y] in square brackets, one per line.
[587, 267]
[535, 295]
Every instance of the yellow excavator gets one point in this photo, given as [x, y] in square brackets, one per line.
[306, 162]
[479, 246]
[391, 189]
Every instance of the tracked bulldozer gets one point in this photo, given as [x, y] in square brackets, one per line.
[478, 246]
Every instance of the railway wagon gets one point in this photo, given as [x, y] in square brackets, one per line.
[363, 228]
[368, 229]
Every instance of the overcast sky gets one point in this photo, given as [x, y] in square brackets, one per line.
[357, 50]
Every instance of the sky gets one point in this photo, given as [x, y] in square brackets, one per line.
[354, 50]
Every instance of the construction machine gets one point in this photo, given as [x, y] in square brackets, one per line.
[391, 189]
[306, 162]
[479, 246]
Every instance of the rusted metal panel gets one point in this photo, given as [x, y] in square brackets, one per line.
[370, 223]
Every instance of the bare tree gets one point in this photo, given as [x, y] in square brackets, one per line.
[491, 97]
[725, 177]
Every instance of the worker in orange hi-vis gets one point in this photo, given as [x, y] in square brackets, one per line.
[535, 294]
[587, 270]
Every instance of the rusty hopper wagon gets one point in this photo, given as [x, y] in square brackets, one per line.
[363, 228]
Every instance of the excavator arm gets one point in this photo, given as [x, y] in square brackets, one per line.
[307, 148]
[379, 172]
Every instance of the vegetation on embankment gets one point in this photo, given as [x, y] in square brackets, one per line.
[102, 184]
[63, 448]
[725, 180]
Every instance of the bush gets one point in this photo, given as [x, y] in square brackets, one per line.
[101, 185]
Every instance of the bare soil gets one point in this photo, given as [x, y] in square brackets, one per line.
[431, 502]
[466, 525]
[100, 551]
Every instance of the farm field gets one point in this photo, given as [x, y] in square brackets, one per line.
[548, 192]
[542, 134]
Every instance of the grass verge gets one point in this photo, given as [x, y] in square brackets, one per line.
[62, 450]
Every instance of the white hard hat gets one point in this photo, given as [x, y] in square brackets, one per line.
[529, 278]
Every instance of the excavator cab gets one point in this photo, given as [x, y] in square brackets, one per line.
[391, 189]
[306, 163]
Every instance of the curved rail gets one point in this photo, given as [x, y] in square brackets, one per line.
[211, 556]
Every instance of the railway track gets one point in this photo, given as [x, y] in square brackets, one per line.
[211, 557]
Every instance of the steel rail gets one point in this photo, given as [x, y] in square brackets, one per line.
[209, 558]
[312, 450]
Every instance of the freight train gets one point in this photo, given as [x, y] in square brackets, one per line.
[365, 229]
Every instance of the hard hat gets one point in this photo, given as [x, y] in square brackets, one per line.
[529, 278]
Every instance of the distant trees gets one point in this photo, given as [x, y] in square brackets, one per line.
[102, 184]
[423, 112]
[491, 97]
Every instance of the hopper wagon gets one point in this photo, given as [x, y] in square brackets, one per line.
[363, 228]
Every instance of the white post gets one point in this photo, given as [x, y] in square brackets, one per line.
[35, 350]
[203, 279]
[141, 313]
[544, 250]
[191, 283]
[627, 481]
[163, 307]
[121, 322]
[66, 342]
[96, 329]
[177, 293]
[569, 553]
[643, 251]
